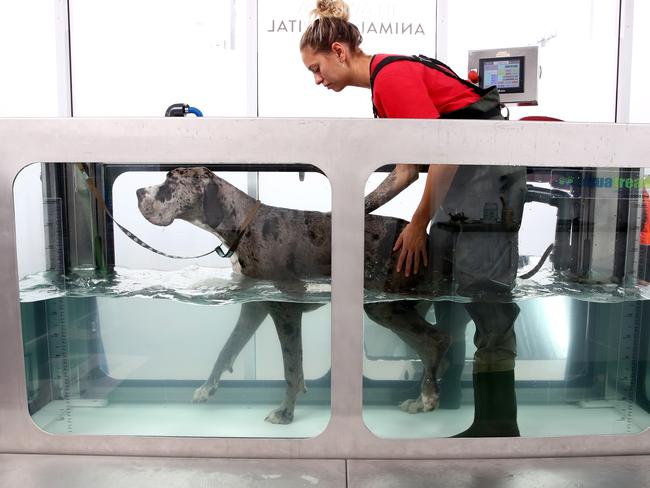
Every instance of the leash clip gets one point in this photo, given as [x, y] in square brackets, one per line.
[222, 254]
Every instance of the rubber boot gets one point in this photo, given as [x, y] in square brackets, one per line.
[495, 406]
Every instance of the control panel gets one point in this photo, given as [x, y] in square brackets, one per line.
[514, 71]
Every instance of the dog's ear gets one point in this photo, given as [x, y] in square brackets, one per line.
[212, 208]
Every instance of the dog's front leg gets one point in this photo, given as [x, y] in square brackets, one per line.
[251, 316]
[288, 324]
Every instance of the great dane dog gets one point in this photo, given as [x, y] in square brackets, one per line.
[287, 245]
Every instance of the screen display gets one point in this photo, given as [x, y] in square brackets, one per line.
[506, 73]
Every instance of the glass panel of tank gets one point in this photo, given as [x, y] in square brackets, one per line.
[168, 300]
[551, 340]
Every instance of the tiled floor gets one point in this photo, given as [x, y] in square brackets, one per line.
[36, 471]
[500, 473]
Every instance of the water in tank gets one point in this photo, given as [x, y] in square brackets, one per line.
[551, 340]
[126, 331]
[122, 336]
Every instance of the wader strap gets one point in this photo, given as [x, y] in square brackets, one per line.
[375, 72]
[488, 107]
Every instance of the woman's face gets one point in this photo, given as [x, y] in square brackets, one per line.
[329, 68]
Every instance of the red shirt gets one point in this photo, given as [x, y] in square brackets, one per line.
[410, 90]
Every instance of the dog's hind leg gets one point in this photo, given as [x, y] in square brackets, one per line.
[288, 323]
[427, 340]
[251, 316]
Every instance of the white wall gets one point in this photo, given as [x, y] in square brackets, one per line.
[578, 43]
[640, 95]
[287, 88]
[137, 58]
[33, 61]
[126, 61]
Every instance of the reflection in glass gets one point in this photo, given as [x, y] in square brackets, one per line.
[127, 331]
[577, 312]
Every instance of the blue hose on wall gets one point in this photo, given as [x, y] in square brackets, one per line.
[195, 111]
[181, 110]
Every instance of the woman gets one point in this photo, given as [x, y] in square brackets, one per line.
[455, 198]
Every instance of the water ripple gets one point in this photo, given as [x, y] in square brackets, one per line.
[219, 286]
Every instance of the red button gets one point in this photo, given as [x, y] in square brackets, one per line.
[473, 76]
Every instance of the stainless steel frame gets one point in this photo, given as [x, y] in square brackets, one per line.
[348, 151]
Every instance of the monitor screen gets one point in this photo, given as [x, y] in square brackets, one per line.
[506, 73]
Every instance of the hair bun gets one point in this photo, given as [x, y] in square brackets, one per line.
[332, 8]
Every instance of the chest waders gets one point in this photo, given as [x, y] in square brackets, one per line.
[485, 258]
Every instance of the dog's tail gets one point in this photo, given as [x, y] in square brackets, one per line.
[539, 265]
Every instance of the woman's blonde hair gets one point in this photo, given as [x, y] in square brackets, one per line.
[331, 24]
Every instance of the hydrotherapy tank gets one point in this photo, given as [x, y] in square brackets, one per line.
[114, 339]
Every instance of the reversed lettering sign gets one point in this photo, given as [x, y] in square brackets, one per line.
[287, 89]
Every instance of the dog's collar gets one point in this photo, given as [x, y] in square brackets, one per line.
[235, 244]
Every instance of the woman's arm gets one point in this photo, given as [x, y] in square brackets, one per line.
[413, 239]
[398, 179]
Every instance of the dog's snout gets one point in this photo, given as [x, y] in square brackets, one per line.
[141, 192]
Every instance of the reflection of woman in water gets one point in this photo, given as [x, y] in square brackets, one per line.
[484, 260]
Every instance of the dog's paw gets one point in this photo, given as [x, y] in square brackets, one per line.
[280, 416]
[418, 405]
[202, 394]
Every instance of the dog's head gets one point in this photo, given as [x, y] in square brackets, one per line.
[180, 196]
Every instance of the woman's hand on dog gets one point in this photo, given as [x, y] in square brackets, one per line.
[412, 244]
